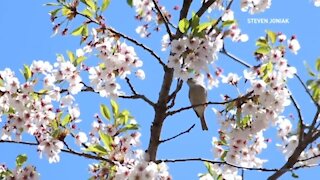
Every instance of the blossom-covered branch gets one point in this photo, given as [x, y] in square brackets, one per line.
[69, 151]
[163, 18]
[127, 38]
[232, 165]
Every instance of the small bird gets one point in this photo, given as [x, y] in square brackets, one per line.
[198, 95]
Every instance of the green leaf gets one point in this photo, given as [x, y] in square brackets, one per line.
[87, 12]
[105, 5]
[78, 31]
[294, 175]
[262, 42]
[11, 110]
[266, 69]
[91, 4]
[21, 159]
[230, 105]
[272, 36]
[66, 120]
[71, 56]
[244, 122]
[228, 23]
[66, 11]
[209, 168]
[79, 60]
[124, 116]
[107, 140]
[131, 127]
[184, 25]
[85, 31]
[318, 64]
[224, 155]
[310, 72]
[263, 50]
[27, 72]
[204, 26]
[55, 133]
[53, 13]
[130, 3]
[104, 110]
[194, 20]
[97, 149]
[51, 4]
[115, 108]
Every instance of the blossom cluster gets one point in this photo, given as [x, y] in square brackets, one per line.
[193, 54]
[191, 57]
[145, 11]
[118, 60]
[128, 162]
[27, 172]
[30, 111]
[244, 121]
[255, 6]
[40, 114]
[217, 5]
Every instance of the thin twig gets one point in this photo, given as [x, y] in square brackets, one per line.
[136, 95]
[173, 96]
[131, 86]
[127, 38]
[184, 132]
[314, 121]
[220, 18]
[225, 52]
[69, 151]
[301, 125]
[204, 7]
[307, 90]
[246, 96]
[242, 174]
[140, 45]
[232, 165]
[164, 18]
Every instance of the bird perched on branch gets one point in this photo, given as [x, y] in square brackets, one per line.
[198, 95]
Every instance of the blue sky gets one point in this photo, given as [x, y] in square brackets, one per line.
[25, 36]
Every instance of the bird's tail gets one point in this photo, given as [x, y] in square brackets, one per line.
[203, 124]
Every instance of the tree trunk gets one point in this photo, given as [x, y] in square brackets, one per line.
[160, 114]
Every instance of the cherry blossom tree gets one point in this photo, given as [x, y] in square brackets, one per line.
[43, 104]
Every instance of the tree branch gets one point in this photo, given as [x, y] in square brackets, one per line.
[205, 7]
[307, 90]
[301, 121]
[184, 132]
[232, 165]
[164, 18]
[293, 159]
[127, 38]
[136, 95]
[241, 98]
[183, 14]
[220, 18]
[225, 52]
[140, 45]
[173, 96]
[303, 143]
[69, 151]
